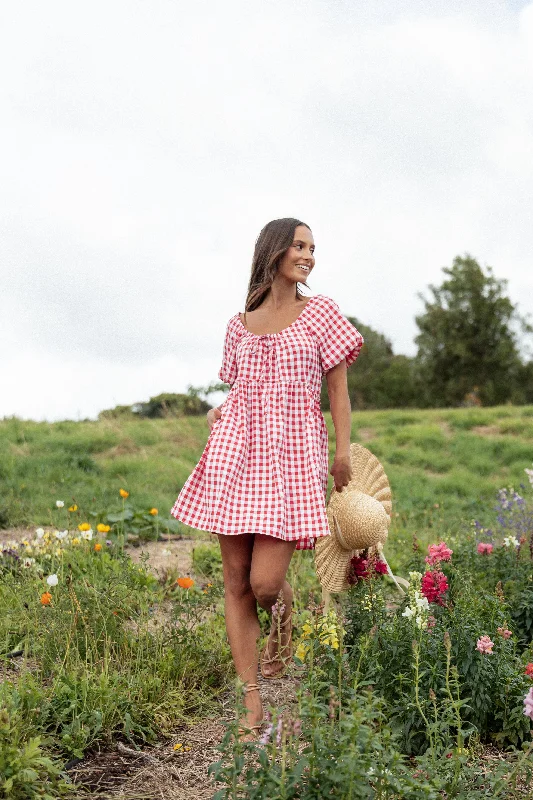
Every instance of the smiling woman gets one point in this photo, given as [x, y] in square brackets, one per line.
[261, 481]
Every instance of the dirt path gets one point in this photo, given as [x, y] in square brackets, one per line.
[160, 771]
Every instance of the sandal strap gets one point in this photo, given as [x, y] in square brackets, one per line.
[251, 687]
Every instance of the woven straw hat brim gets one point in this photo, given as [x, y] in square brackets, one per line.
[368, 476]
[331, 557]
[332, 561]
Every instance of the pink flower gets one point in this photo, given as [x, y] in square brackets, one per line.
[505, 633]
[437, 553]
[528, 704]
[380, 567]
[485, 547]
[433, 586]
[484, 644]
[432, 621]
[529, 670]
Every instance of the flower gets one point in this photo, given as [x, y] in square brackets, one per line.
[97, 547]
[178, 746]
[101, 528]
[434, 585]
[511, 540]
[153, 512]
[28, 562]
[75, 540]
[505, 633]
[123, 493]
[409, 612]
[529, 473]
[39, 533]
[484, 644]
[59, 503]
[84, 526]
[380, 567]
[185, 583]
[528, 704]
[166, 553]
[73, 507]
[87, 534]
[485, 547]
[432, 621]
[52, 580]
[437, 553]
[529, 670]
[61, 535]
[357, 570]
[46, 597]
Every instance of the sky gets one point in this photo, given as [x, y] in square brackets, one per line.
[144, 145]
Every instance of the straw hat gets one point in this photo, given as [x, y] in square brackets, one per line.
[358, 517]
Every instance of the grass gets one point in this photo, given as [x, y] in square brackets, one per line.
[119, 656]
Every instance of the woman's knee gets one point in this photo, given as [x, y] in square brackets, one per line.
[266, 591]
[237, 584]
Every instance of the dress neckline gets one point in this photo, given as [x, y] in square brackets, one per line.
[260, 335]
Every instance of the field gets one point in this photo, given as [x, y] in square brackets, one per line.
[123, 654]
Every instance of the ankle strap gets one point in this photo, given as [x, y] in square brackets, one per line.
[251, 687]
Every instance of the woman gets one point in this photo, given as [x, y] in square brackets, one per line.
[261, 481]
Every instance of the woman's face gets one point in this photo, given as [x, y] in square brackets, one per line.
[299, 260]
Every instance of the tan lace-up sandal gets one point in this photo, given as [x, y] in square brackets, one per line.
[285, 660]
[250, 733]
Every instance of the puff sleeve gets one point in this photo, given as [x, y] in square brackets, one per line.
[337, 337]
[228, 371]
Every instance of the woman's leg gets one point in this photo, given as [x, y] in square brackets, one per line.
[242, 625]
[270, 561]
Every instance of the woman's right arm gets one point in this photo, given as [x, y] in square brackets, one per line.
[213, 414]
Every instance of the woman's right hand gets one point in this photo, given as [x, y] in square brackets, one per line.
[212, 415]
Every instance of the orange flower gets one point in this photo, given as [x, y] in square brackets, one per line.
[153, 512]
[124, 493]
[101, 528]
[98, 547]
[84, 526]
[73, 508]
[46, 597]
[185, 583]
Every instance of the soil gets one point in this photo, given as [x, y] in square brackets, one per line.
[160, 771]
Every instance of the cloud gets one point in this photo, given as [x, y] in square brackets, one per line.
[146, 146]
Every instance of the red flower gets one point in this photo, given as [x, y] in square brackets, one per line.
[529, 670]
[434, 585]
[380, 567]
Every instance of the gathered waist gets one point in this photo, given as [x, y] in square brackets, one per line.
[268, 383]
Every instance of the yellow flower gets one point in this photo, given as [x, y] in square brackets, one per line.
[124, 493]
[178, 746]
[101, 528]
[25, 543]
[84, 526]
[153, 512]
[73, 508]
[98, 547]
[75, 540]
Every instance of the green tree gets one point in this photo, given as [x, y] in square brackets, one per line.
[468, 340]
[379, 379]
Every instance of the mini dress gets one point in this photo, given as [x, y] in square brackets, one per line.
[265, 466]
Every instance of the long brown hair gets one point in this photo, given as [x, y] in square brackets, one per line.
[270, 247]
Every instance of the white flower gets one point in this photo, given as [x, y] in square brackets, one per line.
[39, 533]
[61, 535]
[409, 612]
[415, 576]
[28, 562]
[420, 622]
[87, 534]
[52, 580]
[59, 503]
[422, 602]
[511, 540]
[166, 553]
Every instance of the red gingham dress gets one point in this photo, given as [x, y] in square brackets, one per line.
[265, 466]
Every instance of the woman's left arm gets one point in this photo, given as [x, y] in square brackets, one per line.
[341, 413]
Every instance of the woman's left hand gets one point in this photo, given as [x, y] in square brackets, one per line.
[341, 469]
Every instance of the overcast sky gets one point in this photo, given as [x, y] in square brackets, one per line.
[144, 145]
